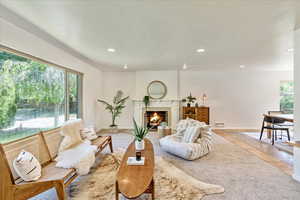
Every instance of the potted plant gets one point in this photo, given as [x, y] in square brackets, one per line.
[190, 99]
[116, 107]
[146, 101]
[139, 134]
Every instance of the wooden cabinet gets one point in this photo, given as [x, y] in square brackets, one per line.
[197, 113]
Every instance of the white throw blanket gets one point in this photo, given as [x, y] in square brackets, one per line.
[81, 157]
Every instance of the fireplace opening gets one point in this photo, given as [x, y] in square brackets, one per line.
[154, 118]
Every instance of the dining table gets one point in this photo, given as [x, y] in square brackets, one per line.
[285, 117]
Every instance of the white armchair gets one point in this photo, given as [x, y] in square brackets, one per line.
[175, 144]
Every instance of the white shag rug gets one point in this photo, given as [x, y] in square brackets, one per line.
[170, 182]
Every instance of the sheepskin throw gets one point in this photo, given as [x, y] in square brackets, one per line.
[170, 182]
[71, 133]
[27, 166]
[81, 157]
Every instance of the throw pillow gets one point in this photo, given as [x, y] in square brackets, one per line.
[27, 166]
[88, 133]
[191, 134]
[181, 127]
[71, 133]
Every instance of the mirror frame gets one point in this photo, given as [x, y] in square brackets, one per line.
[160, 82]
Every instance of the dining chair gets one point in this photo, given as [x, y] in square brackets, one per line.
[273, 124]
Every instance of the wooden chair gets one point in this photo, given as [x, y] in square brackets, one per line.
[273, 124]
[45, 147]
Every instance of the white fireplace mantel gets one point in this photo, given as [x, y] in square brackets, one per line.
[171, 105]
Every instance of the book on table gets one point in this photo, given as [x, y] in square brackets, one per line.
[133, 161]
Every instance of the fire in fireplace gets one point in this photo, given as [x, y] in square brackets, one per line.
[154, 118]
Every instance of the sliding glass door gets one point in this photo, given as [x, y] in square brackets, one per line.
[74, 95]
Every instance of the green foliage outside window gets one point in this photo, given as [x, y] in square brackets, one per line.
[33, 96]
[287, 96]
[8, 106]
[28, 83]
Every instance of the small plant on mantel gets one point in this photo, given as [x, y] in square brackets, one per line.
[146, 101]
[116, 107]
[190, 99]
[139, 134]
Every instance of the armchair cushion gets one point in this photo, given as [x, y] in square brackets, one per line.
[173, 145]
[191, 134]
[177, 144]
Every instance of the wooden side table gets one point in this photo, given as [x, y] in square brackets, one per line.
[164, 131]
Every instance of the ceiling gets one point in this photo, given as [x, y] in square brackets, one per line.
[165, 34]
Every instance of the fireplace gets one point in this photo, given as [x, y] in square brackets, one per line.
[171, 107]
[154, 118]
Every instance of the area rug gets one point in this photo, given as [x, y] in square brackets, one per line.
[170, 182]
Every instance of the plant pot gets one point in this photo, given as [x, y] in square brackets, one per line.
[114, 129]
[188, 105]
[139, 145]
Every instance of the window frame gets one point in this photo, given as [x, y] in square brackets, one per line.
[66, 71]
[67, 94]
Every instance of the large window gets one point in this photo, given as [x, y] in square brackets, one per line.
[287, 96]
[35, 96]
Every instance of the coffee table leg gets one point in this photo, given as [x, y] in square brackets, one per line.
[153, 190]
[117, 191]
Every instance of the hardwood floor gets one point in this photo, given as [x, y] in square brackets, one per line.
[265, 151]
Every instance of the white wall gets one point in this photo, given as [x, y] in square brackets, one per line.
[297, 103]
[113, 82]
[169, 78]
[237, 98]
[19, 39]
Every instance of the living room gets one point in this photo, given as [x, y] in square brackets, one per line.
[182, 57]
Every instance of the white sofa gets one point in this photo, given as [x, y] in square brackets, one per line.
[175, 144]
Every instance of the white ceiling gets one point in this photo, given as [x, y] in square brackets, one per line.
[163, 35]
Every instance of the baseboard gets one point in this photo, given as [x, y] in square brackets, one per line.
[238, 129]
[109, 130]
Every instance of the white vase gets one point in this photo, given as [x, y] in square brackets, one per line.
[139, 145]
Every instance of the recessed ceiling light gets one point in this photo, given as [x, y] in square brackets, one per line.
[290, 50]
[184, 66]
[125, 66]
[242, 66]
[111, 50]
[200, 50]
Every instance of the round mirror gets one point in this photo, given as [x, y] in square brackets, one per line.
[157, 90]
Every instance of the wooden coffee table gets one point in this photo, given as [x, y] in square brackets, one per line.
[133, 181]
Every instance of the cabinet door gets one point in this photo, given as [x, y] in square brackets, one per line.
[203, 114]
